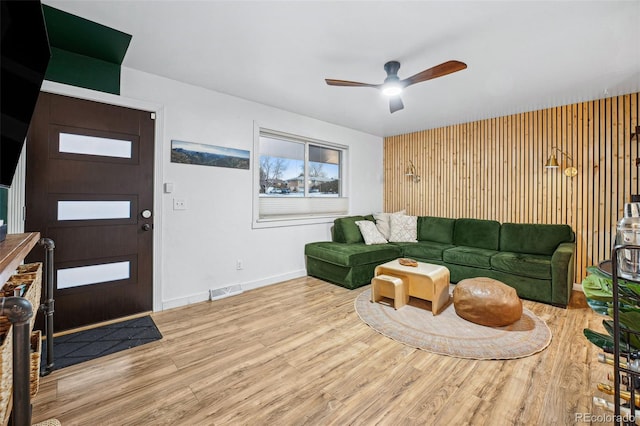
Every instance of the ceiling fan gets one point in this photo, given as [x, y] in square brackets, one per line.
[393, 86]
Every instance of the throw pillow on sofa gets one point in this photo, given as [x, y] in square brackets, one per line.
[383, 224]
[370, 233]
[403, 229]
[345, 230]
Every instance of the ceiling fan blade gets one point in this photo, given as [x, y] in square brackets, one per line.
[435, 72]
[395, 104]
[346, 83]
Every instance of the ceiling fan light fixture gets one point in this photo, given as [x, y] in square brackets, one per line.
[392, 88]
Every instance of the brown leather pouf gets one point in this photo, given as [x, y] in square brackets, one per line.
[486, 301]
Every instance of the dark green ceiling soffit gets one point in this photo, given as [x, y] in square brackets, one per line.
[84, 53]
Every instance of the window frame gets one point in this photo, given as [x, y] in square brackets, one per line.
[302, 218]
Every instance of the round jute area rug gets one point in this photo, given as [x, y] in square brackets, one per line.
[448, 334]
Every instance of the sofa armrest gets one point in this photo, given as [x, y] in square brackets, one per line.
[562, 273]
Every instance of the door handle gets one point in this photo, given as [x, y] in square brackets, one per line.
[146, 227]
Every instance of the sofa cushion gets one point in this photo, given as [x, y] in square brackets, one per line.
[351, 254]
[533, 238]
[404, 229]
[383, 222]
[438, 229]
[345, 230]
[370, 233]
[469, 256]
[526, 265]
[477, 233]
[424, 250]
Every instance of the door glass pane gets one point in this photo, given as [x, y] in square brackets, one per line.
[324, 172]
[92, 210]
[281, 168]
[84, 275]
[92, 145]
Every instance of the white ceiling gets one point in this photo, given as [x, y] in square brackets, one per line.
[521, 56]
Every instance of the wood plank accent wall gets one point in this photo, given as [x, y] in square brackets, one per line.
[494, 169]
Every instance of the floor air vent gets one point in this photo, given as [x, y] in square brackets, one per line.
[221, 293]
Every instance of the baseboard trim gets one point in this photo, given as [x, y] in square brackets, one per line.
[249, 285]
[274, 279]
[183, 301]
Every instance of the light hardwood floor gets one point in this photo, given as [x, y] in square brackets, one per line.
[297, 353]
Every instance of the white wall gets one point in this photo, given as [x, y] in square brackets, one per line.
[200, 245]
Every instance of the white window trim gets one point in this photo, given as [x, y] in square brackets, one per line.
[305, 219]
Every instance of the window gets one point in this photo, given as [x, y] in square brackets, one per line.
[298, 178]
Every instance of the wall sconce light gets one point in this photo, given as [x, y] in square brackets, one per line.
[552, 163]
[412, 173]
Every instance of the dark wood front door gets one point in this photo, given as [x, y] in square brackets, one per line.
[89, 187]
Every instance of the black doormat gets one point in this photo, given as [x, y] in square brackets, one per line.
[85, 345]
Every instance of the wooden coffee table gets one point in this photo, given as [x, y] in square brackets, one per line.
[425, 281]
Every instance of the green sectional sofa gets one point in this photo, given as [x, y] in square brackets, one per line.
[535, 259]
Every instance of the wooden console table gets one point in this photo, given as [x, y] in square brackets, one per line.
[13, 250]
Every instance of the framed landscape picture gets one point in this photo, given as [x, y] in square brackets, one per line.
[208, 155]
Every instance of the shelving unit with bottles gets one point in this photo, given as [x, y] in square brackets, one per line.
[626, 371]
